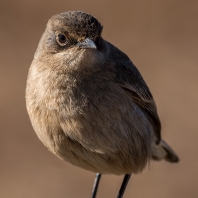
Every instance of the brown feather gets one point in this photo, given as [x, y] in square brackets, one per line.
[132, 82]
[91, 107]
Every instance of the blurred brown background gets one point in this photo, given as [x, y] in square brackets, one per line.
[161, 37]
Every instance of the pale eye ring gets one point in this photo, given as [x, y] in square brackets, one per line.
[61, 39]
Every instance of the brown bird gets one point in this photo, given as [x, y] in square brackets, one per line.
[89, 104]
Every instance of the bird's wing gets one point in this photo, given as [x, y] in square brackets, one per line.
[130, 79]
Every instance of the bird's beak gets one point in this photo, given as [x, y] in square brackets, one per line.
[87, 44]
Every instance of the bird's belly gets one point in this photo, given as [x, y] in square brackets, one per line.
[105, 144]
[107, 138]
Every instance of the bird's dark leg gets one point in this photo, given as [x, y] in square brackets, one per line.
[96, 184]
[124, 185]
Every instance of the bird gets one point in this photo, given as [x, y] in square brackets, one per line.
[89, 104]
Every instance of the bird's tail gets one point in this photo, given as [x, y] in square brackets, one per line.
[164, 151]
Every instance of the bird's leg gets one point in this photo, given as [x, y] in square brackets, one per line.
[124, 185]
[95, 186]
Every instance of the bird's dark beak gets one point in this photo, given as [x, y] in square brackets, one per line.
[87, 44]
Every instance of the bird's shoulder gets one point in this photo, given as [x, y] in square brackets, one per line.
[129, 78]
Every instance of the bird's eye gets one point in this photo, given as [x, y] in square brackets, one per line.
[61, 39]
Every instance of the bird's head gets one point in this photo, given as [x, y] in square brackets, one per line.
[70, 32]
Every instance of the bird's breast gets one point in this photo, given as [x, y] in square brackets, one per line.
[90, 110]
